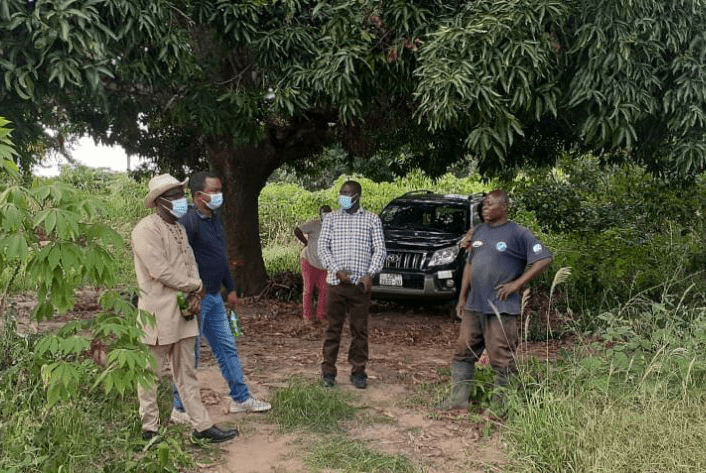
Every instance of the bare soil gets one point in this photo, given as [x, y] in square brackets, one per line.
[409, 348]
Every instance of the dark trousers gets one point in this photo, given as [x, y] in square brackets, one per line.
[497, 334]
[341, 300]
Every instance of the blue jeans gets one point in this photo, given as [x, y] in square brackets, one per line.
[215, 326]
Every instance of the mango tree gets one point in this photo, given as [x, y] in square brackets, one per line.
[246, 86]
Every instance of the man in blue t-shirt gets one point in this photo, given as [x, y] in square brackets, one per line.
[494, 274]
[206, 237]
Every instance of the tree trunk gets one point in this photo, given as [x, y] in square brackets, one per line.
[245, 171]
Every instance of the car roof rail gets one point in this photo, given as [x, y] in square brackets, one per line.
[477, 195]
[418, 192]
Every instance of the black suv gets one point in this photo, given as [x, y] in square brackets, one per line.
[422, 235]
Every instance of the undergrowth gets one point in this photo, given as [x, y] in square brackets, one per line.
[629, 398]
[88, 433]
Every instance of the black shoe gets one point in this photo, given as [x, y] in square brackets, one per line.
[359, 380]
[148, 435]
[215, 435]
[328, 380]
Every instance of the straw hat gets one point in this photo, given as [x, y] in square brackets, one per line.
[159, 185]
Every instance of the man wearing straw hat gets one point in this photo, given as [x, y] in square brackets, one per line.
[165, 265]
[489, 302]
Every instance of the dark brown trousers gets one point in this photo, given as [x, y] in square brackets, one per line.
[342, 300]
[497, 334]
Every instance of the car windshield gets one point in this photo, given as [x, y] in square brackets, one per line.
[424, 216]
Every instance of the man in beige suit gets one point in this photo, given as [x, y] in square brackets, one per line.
[165, 265]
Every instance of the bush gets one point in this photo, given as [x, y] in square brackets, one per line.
[622, 231]
[283, 206]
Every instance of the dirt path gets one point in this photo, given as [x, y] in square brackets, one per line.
[407, 349]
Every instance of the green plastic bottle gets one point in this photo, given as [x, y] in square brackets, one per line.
[234, 322]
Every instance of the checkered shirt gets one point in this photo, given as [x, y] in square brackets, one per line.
[351, 242]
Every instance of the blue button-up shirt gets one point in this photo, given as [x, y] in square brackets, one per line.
[207, 239]
[351, 242]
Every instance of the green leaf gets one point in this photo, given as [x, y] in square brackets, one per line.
[54, 257]
[17, 248]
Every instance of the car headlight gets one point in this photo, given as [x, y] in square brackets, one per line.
[444, 256]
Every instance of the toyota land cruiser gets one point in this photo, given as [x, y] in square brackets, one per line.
[422, 235]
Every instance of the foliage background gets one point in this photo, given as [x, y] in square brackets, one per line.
[621, 230]
[636, 246]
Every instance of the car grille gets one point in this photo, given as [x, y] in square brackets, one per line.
[405, 259]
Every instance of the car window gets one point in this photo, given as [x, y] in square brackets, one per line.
[423, 216]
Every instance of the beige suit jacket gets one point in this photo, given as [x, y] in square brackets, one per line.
[165, 264]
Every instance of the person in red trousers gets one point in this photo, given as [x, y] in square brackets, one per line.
[312, 269]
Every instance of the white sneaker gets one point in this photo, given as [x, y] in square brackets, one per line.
[249, 405]
[179, 417]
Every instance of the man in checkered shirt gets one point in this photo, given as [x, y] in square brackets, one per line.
[352, 249]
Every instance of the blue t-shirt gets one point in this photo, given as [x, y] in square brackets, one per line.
[499, 255]
[206, 238]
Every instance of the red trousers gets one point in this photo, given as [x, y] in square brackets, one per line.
[313, 278]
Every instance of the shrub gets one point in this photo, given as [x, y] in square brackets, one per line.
[619, 229]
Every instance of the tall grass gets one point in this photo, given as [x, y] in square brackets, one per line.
[632, 401]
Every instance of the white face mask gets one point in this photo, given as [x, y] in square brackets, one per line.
[179, 207]
[216, 201]
[347, 201]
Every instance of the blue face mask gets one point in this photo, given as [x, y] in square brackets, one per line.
[179, 207]
[215, 202]
[345, 201]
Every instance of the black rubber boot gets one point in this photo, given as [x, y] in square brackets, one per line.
[502, 378]
[462, 373]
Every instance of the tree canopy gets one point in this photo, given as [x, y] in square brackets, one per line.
[245, 86]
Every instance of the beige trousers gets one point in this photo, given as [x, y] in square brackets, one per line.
[497, 334]
[181, 355]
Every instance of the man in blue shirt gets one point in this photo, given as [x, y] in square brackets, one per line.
[206, 237]
[494, 273]
[352, 249]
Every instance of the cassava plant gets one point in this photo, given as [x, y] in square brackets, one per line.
[52, 233]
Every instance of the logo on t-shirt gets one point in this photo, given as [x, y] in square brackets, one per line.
[537, 248]
[501, 246]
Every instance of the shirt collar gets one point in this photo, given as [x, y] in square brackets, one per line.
[359, 211]
[204, 217]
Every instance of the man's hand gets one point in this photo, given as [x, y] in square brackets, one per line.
[507, 289]
[231, 300]
[466, 241]
[367, 283]
[194, 303]
[460, 307]
[344, 277]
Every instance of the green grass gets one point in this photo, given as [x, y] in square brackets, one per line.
[602, 415]
[351, 456]
[306, 405]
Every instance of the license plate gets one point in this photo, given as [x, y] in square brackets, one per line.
[390, 279]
